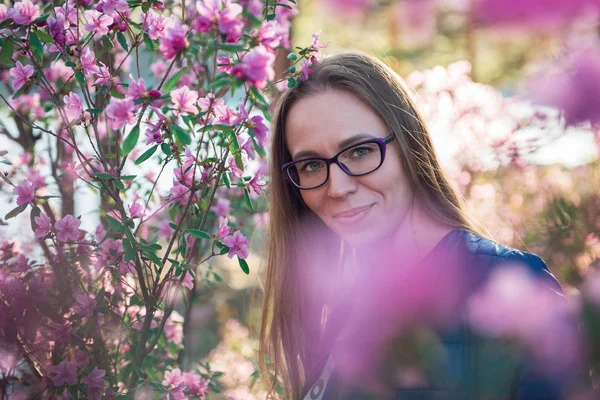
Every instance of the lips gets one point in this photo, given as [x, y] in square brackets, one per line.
[353, 214]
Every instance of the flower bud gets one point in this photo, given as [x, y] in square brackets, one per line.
[155, 94]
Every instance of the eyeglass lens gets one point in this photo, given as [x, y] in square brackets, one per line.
[357, 160]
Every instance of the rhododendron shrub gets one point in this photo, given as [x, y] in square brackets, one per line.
[157, 112]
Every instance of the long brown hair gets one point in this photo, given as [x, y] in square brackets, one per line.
[292, 335]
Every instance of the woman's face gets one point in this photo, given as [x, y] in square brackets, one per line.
[364, 209]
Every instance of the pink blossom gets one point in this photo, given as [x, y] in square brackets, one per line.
[180, 194]
[174, 326]
[230, 21]
[89, 64]
[221, 207]
[238, 245]
[3, 12]
[67, 228]
[126, 267]
[261, 131]
[66, 372]
[255, 186]
[97, 22]
[196, 384]
[21, 74]
[44, 225]
[174, 39]
[95, 384]
[184, 100]
[33, 175]
[154, 24]
[73, 106]
[257, 66]
[25, 193]
[225, 64]
[224, 228]
[81, 358]
[307, 67]
[85, 304]
[136, 210]
[103, 77]
[530, 13]
[350, 8]
[235, 170]
[137, 89]
[269, 35]
[61, 331]
[120, 111]
[575, 89]
[24, 12]
[172, 378]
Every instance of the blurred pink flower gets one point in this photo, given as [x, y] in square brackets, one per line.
[120, 111]
[530, 13]
[33, 175]
[67, 228]
[66, 372]
[44, 225]
[269, 35]
[172, 378]
[350, 7]
[95, 384]
[196, 384]
[174, 39]
[73, 106]
[188, 281]
[225, 64]
[97, 22]
[184, 100]
[24, 12]
[224, 228]
[154, 24]
[89, 62]
[235, 170]
[85, 304]
[137, 89]
[230, 21]
[21, 74]
[221, 207]
[255, 185]
[174, 326]
[25, 192]
[257, 66]
[238, 245]
[261, 131]
[574, 89]
[136, 210]
[417, 20]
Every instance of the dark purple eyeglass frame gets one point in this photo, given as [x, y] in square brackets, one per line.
[381, 142]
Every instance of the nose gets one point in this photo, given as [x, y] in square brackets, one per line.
[340, 184]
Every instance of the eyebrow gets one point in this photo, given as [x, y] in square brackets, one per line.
[344, 143]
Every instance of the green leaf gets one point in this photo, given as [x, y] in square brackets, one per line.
[19, 92]
[243, 265]
[128, 177]
[181, 135]
[122, 41]
[150, 45]
[152, 256]
[172, 81]
[166, 149]
[80, 78]
[131, 140]
[147, 154]
[6, 23]
[270, 17]
[292, 56]
[130, 253]
[114, 224]
[198, 234]
[283, 5]
[36, 47]
[226, 180]
[44, 37]
[257, 96]
[103, 175]
[291, 83]
[35, 212]
[94, 110]
[7, 52]
[16, 211]
[232, 47]
[247, 200]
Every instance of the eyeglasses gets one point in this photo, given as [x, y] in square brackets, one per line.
[357, 160]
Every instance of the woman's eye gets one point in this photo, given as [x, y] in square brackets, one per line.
[311, 166]
[361, 151]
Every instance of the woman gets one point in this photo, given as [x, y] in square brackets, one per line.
[356, 186]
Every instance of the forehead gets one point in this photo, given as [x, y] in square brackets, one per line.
[319, 122]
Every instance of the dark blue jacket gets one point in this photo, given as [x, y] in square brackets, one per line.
[474, 369]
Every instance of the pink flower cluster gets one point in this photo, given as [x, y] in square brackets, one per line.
[178, 382]
[224, 16]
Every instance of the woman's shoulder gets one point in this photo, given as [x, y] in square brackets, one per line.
[490, 255]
